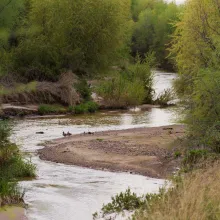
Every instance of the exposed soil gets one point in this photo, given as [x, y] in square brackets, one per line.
[146, 151]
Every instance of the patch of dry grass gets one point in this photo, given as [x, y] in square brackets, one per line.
[196, 197]
[20, 88]
[46, 92]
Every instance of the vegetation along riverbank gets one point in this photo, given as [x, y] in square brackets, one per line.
[72, 57]
[14, 167]
[194, 193]
[111, 58]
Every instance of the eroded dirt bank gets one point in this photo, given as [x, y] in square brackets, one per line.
[145, 151]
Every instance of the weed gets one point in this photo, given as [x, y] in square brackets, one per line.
[99, 139]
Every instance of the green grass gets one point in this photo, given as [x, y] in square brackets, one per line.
[51, 109]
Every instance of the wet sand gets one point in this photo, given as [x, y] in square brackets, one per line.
[145, 151]
[12, 213]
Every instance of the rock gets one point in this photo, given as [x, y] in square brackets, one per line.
[40, 132]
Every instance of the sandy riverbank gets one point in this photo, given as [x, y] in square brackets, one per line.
[146, 151]
[12, 213]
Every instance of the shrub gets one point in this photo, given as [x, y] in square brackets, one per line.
[83, 89]
[88, 107]
[203, 110]
[194, 156]
[12, 167]
[120, 92]
[20, 168]
[129, 87]
[48, 109]
[123, 201]
[164, 98]
[80, 109]
[92, 107]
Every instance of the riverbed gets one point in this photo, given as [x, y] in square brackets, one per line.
[63, 192]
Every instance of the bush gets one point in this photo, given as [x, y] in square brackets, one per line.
[119, 92]
[51, 109]
[20, 168]
[164, 98]
[130, 87]
[12, 167]
[203, 110]
[126, 201]
[83, 89]
[88, 107]
[194, 156]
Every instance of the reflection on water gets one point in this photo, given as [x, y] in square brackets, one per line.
[63, 192]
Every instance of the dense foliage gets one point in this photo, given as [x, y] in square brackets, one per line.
[84, 36]
[153, 28]
[196, 41]
[196, 47]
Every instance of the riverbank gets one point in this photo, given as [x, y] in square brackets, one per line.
[12, 213]
[18, 111]
[145, 151]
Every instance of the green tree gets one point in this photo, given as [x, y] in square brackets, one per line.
[83, 36]
[153, 28]
[196, 43]
[9, 11]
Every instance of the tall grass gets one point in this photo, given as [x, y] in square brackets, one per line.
[195, 197]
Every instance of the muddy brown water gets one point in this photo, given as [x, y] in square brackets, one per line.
[63, 192]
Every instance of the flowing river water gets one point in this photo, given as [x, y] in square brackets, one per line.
[63, 192]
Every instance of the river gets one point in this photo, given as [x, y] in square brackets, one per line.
[63, 192]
